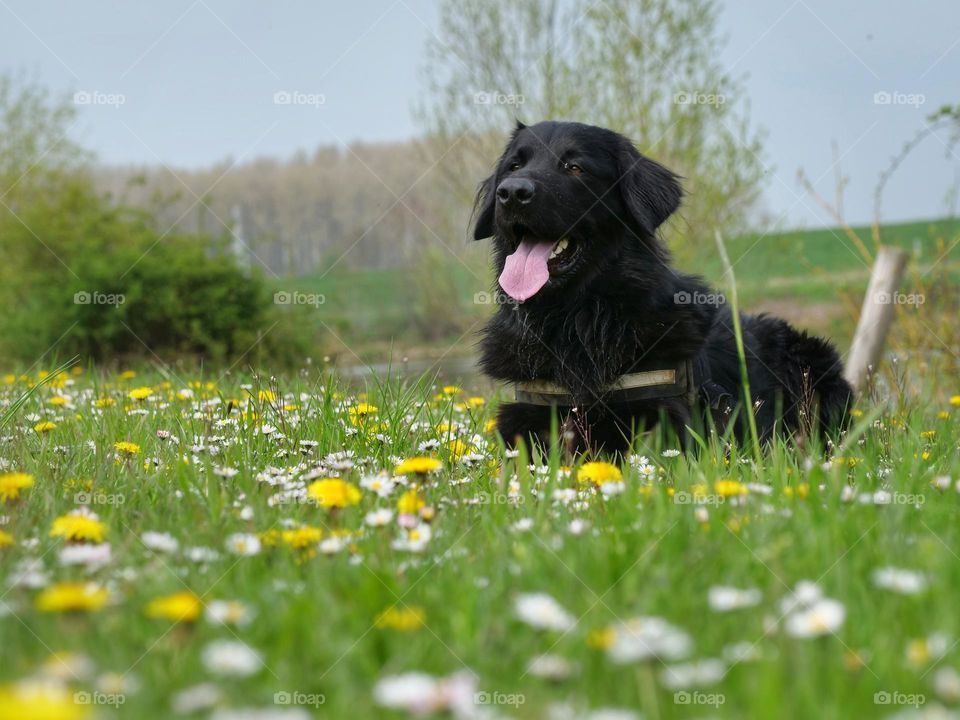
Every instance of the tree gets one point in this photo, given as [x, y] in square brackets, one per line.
[646, 68]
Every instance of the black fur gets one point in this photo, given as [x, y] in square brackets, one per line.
[620, 308]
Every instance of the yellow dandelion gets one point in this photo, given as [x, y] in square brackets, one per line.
[140, 393]
[458, 448]
[489, 426]
[404, 619]
[334, 493]
[928, 434]
[599, 473]
[178, 607]
[418, 466]
[58, 401]
[302, 538]
[126, 448]
[801, 490]
[44, 426]
[266, 396]
[955, 400]
[72, 597]
[12, 483]
[104, 402]
[128, 375]
[410, 503]
[79, 527]
[602, 638]
[359, 412]
[6, 539]
[40, 701]
[729, 488]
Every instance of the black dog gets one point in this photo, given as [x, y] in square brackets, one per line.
[594, 324]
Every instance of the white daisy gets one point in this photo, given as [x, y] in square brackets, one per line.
[694, 674]
[905, 582]
[724, 599]
[822, 617]
[231, 658]
[244, 544]
[541, 611]
[160, 541]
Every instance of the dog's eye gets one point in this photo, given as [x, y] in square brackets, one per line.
[514, 166]
[572, 168]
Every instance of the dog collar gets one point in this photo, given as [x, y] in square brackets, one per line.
[648, 385]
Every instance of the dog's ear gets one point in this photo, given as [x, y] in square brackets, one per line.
[483, 208]
[650, 191]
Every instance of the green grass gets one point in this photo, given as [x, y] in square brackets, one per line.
[645, 552]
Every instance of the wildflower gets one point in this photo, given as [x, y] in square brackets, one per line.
[378, 518]
[126, 448]
[381, 484]
[646, 638]
[905, 582]
[243, 544]
[410, 503]
[819, 618]
[418, 466]
[550, 667]
[178, 607]
[542, 612]
[302, 537]
[599, 473]
[104, 402]
[334, 493]
[266, 396]
[72, 597]
[359, 412]
[196, 698]
[159, 541]
[228, 612]
[955, 400]
[724, 599]
[929, 649]
[92, 557]
[6, 539]
[946, 684]
[729, 488]
[40, 700]
[422, 694]
[415, 539]
[79, 526]
[59, 401]
[231, 658]
[44, 426]
[128, 375]
[404, 619]
[140, 393]
[12, 483]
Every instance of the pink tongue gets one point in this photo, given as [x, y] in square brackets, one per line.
[525, 271]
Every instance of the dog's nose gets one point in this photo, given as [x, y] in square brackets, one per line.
[515, 190]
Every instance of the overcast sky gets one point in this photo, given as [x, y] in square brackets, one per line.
[198, 79]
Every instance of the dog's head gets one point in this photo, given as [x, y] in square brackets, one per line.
[561, 198]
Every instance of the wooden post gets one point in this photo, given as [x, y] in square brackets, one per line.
[879, 307]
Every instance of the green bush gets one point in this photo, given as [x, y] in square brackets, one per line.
[86, 277]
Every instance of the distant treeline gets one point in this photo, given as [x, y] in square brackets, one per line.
[366, 206]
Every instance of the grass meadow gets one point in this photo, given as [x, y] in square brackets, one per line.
[244, 547]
